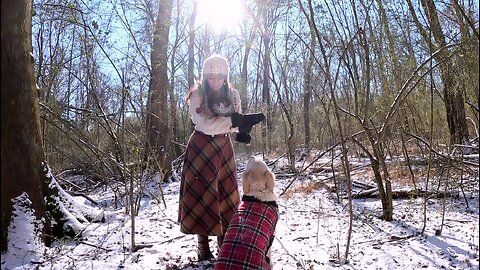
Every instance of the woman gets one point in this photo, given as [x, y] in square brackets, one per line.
[208, 190]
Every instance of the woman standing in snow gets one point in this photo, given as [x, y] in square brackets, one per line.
[208, 190]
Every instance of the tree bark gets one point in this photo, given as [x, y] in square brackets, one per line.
[453, 95]
[266, 131]
[266, 12]
[244, 70]
[23, 159]
[308, 87]
[157, 126]
[24, 169]
[191, 46]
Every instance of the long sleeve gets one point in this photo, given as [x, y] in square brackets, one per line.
[215, 125]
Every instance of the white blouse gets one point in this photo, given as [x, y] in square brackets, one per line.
[213, 125]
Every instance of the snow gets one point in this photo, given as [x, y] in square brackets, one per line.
[311, 233]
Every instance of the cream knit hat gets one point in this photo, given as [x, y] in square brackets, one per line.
[216, 65]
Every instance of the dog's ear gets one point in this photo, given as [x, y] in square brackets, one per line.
[270, 183]
[246, 181]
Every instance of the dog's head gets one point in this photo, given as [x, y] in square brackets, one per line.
[258, 180]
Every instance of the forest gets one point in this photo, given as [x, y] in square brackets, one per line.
[97, 89]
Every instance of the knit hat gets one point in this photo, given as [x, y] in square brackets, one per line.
[216, 65]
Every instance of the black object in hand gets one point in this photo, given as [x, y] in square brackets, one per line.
[243, 138]
[245, 122]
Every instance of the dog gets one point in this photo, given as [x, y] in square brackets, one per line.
[249, 236]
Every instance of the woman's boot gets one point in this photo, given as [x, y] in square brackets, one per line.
[203, 252]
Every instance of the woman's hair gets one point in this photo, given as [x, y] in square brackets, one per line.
[207, 93]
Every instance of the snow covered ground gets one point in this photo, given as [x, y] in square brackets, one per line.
[311, 233]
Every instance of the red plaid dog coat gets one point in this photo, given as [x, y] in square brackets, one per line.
[249, 236]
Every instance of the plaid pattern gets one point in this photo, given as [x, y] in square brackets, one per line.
[249, 237]
[208, 189]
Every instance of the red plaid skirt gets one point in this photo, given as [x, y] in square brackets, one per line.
[208, 189]
[249, 237]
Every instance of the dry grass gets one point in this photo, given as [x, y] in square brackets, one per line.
[304, 188]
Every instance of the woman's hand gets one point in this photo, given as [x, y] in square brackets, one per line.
[205, 112]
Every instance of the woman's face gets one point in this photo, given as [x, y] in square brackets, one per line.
[215, 81]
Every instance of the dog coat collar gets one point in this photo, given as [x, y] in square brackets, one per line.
[248, 198]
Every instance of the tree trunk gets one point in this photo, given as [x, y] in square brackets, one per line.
[308, 87]
[158, 131]
[287, 112]
[244, 72]
[24, 168]
[23, 159]
[453, 95]
[469, 57]
[266, 12]
[191, 46]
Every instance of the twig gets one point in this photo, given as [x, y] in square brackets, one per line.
[171, 240]
[95, 246]
[82, 195]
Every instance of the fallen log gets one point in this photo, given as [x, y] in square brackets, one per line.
[405, 194]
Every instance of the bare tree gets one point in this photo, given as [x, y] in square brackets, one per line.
[266, 32]
[23, 160]
[24, 167]
[158, 131]
[308, 84]
[452, 93]
[248, 48]
[191, 46]
[468, 59]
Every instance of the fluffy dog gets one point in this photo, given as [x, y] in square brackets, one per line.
[251, 231]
